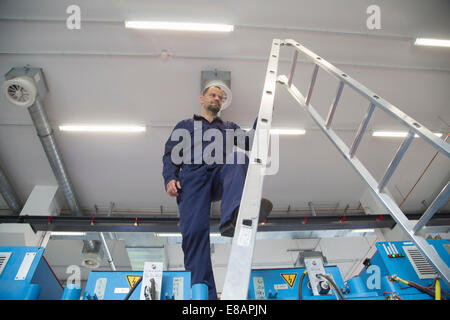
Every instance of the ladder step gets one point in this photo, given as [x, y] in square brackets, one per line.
[361, 130]
[313, 82]
[394, 163]
[334, 105]
[294, 64]
[437, 203]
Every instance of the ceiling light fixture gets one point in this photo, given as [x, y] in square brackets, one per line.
[362, 230]
[103, 128]
[397, 134]
[178, 26]
[288, 131]
[432, 42]
[67, 233]
[178, 234]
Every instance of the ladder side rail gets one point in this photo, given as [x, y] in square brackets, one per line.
[384, 105]
[427, 250]
[237, 278]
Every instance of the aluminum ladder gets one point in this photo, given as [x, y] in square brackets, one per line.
[240, 262]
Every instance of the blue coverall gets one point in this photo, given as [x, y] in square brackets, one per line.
[202, 183]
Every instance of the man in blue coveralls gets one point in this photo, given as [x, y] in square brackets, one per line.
[198, 174]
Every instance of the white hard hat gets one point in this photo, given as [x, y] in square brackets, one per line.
[227, 96]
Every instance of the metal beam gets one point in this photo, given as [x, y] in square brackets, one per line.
[170, 224]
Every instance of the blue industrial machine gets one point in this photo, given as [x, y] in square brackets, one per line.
[26, 275]
[396, 271]
[403, 272]
[104, 285]
[283, 284]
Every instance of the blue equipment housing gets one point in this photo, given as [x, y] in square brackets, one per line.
[399, 258]
[26, 275]
[114, 285]
[402, 259]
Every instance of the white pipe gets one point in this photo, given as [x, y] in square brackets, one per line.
[239, 58]
[108, 253]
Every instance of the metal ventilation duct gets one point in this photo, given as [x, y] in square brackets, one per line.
[45, 134]
[9, 194]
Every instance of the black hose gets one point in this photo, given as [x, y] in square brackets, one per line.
[300, 283]
[132, 289]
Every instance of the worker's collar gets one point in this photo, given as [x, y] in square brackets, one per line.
[198, 117]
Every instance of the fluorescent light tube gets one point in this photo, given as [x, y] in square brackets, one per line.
[389, 133]
[168, 234]
[432, 42]
[102, 128]
[398, 134]
[64, 233]
[363, 230]
[288, 131]
[179, 26]
[178, 234]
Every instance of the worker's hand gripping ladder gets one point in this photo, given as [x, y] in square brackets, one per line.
[239, 266]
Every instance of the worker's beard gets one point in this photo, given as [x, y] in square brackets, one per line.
[213, 108]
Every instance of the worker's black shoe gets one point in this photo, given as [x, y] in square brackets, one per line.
[264, 210]
[227, 230]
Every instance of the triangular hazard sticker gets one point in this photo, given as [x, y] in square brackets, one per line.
[132, 280]
[289, 278]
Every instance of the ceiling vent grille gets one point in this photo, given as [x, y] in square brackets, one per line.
[4, 257]
[423, 269]
[20, 91]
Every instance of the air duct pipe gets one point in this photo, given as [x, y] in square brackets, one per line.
[45, 134]
[9, 194]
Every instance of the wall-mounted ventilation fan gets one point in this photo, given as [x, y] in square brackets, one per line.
[20, 91]
[24, 85]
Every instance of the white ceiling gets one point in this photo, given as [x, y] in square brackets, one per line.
[105, 73]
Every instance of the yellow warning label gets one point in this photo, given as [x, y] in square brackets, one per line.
[132, 280]
[289, 278]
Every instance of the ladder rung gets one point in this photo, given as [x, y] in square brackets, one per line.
[313, 82]
[334, 105]
[361, 130]
[394, 163]
[294, 64]
[437, 203]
